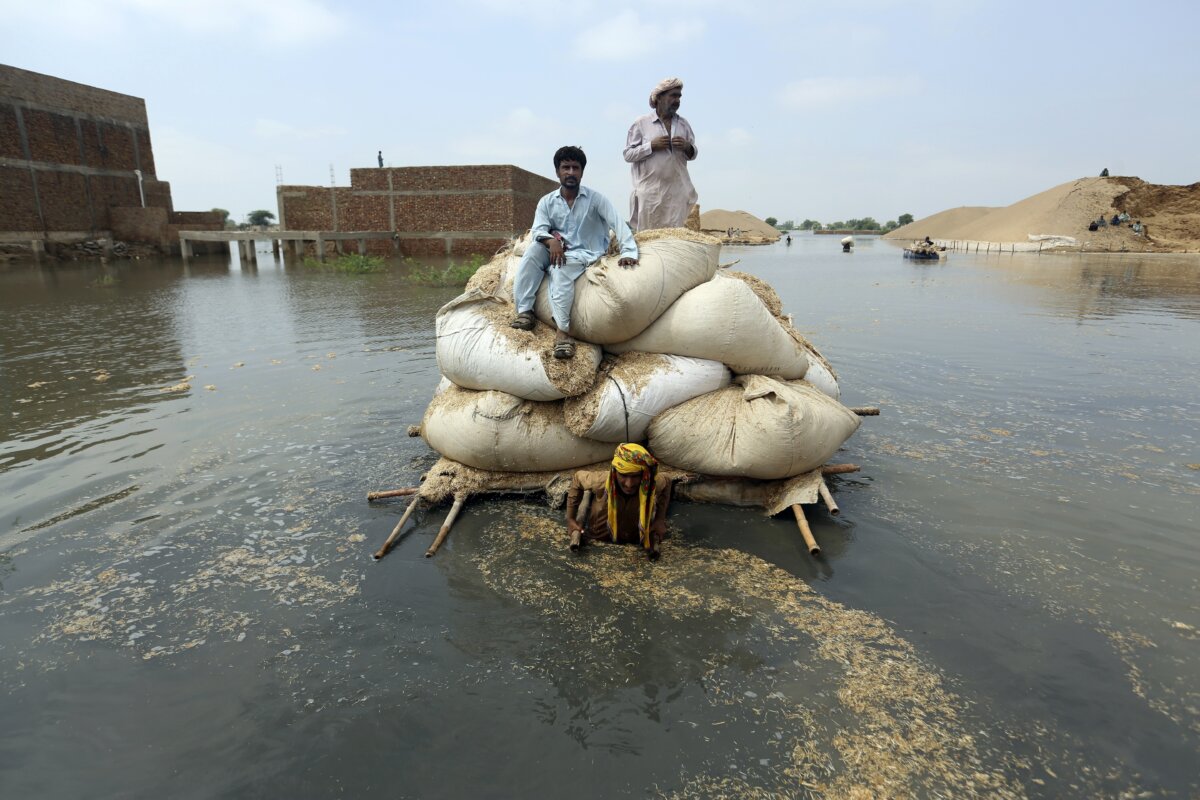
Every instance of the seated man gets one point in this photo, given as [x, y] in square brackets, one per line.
[628, 505]
[570, 231]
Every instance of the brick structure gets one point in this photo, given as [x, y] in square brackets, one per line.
[70, 155]
[432, 210]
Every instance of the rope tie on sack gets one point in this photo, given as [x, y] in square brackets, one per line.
[623, 405]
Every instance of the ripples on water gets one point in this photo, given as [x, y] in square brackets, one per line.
[1008, 596]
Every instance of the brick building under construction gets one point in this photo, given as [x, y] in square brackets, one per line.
[432, 211]
[76, 163]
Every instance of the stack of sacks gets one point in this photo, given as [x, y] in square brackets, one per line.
[703, 365]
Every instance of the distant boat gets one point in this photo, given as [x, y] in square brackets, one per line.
[924, 251]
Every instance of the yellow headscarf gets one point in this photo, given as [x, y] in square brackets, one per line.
[628, 459]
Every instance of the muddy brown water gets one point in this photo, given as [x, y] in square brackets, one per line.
[1005, 607]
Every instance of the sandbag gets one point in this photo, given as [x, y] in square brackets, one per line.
[758, 427]
[498, 431]
[634, 388]
[820, 372]
[821, 376]
[614, 303]
[477, 349]
[723, 320]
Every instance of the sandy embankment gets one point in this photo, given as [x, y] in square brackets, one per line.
[753, 230]
[1171, 215]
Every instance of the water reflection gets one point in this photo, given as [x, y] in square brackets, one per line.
[1016, 554]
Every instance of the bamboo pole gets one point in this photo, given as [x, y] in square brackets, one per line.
[838, 469]
[405, 492]
[459, 499]
[866, 411]
[580, 515]
[383, 551]
[805, 531]
[827, 498]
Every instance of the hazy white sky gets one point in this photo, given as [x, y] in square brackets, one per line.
[802, 109]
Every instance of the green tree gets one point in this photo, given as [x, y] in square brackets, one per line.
[787, 225]
[905, 219]
[224, 216]
[810, 225]
[260, 217]
[890, 225]
[833, 226]
[771, 221]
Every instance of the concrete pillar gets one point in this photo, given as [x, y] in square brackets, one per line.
[320, 248]
[185, 248]
[275, 249]
[39, 249]
[362, 247]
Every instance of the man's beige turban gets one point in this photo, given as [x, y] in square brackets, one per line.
[664, 86]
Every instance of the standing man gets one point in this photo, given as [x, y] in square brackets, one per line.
[570, 233]
[380, 157]
[658, 147]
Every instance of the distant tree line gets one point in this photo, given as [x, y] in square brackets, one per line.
[259, 217]
[864, 224]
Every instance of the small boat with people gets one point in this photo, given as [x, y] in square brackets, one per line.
[925, 250]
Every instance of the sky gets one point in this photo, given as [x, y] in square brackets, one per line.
[802, 110]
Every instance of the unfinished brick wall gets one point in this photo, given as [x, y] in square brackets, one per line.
[137, 224]
[455, 211]
[68, 154]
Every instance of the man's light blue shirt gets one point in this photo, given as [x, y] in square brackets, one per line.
[585, 226]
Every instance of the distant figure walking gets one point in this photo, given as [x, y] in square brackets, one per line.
[380, 158]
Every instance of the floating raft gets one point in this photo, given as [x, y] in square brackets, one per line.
[451, 481]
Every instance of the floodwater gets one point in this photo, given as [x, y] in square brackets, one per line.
[1005, 607]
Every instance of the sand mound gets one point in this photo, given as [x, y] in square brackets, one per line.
[1171, 214]
[718, 221]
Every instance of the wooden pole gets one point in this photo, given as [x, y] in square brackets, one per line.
[580, 515]
[838, 469]
[459, 499]
[383, 551]
[411, 490]
[866, 411]
[827, 498]
[805, 531]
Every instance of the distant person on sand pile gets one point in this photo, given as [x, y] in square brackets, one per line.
[380, 157]
[1104, 172]
[658, 147]
[1102, 222]
[629, 505]
[570, 232]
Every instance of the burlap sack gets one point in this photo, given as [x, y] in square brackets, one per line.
[477, 349]
[498, 431]
[723, 320]
[758, 427]
[634, 388]
[614, 303]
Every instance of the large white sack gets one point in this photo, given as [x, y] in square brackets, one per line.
[477, 349]
[614, 303]
[723, 320]
[497, 431]
[758, 427]
[821, 375]
[820, 372]
[634, 389]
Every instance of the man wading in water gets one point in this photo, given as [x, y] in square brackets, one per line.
[570, 231]
[629, 505]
